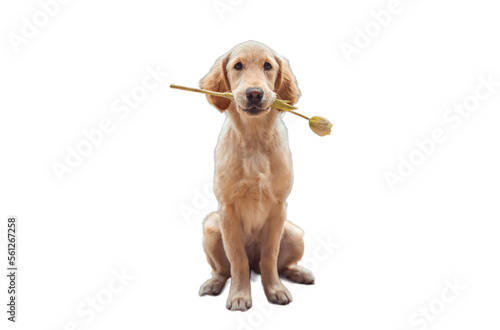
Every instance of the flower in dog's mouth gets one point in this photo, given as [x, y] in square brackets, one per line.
[318, 125]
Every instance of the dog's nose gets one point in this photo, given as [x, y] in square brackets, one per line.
[254, 94]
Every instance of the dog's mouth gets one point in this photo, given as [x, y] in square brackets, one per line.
[253, 111]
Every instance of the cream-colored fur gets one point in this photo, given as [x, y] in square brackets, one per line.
[253, 178]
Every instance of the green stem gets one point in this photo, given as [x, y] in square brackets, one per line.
[282, 105]
[298, 114]
[203, 91]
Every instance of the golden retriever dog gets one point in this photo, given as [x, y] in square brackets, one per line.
[253, 178]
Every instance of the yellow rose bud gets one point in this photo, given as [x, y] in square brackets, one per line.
[320, 125]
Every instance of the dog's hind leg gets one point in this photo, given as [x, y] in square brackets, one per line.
[291, 251]
[216, 256]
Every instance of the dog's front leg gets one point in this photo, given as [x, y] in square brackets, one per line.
[232, 236]
[275, 291]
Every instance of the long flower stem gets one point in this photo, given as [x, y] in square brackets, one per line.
[298, 114]
[278, 104]
[203, 91]
[318, 125]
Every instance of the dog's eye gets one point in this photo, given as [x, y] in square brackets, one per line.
[238, 66]
[267, 66]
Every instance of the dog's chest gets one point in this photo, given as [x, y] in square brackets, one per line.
[253, 177]
[256, 190]
[253, 174]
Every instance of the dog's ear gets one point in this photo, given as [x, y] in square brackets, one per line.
[286, 85]
[216, 80]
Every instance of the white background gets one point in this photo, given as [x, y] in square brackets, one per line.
[121, 208]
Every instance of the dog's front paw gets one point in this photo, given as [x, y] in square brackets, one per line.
[239, 302]
[278, 294]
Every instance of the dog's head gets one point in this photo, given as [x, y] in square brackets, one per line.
[255, 74]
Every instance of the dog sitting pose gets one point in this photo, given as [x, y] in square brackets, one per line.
[253, 178]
